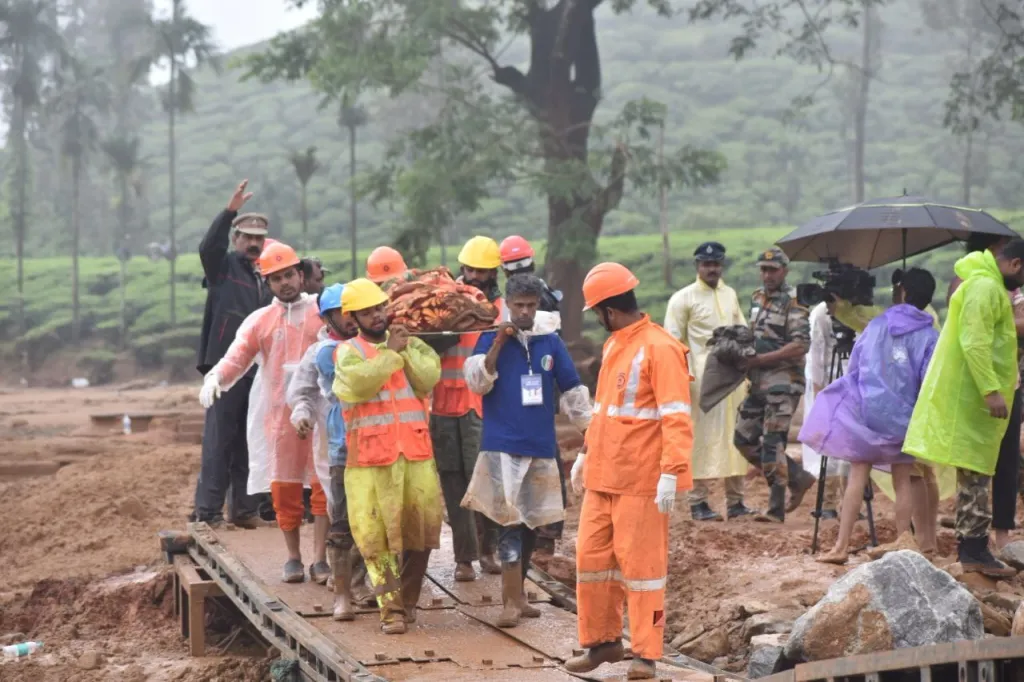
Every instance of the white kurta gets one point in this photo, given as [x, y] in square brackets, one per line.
[693, 314]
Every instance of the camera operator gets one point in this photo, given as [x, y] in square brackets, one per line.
[781, 337]
[817, 374]
[857, 316]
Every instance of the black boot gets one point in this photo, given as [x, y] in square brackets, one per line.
[975, 557]
[739, 510]
[702, 512]
[776, 506]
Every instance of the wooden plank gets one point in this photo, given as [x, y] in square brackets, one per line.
[449, 671]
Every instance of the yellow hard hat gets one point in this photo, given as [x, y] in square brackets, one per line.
[360, 294]
[481, 253]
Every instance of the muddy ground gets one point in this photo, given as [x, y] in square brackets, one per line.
[80, 506]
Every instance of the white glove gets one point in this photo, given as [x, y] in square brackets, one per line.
[666, 497]
[576, 475]
[210, 390]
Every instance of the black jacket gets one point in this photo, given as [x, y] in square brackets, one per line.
[234, 290]
[550, 299]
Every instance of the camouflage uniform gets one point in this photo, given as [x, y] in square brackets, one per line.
[765, 415]
[973, 507]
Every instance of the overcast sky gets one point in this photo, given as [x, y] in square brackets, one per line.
[240, 22]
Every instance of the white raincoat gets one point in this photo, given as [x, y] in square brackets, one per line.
[693, 314]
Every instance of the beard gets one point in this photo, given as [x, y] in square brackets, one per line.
[1011, 283]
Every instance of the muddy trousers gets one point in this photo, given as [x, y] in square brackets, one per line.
[622, 556]
[225, 460]
[340, 533]
[553, 531]
[456, 443]
[395, 515]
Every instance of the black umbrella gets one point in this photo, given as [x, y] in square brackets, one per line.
[883, 231]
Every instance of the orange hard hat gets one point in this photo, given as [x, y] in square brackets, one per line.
[267, 241]
[516, 250]
[277, 257]
[606, 280]
[384, 263]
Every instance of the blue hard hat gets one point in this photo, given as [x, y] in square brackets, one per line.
[330, 298]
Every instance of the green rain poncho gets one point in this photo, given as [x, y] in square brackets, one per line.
[976, 355]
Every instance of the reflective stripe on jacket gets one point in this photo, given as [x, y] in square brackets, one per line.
[392, 422]
[641, 426]
[452, 398]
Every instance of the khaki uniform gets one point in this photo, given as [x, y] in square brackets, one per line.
[765, 415]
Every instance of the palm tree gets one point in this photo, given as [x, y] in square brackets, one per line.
[123, 154]
[306, 165]
[27, 40]
[182, 42]
[81, 96]
[352, 116]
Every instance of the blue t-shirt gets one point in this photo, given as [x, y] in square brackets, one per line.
[337, 452]
[510, 426]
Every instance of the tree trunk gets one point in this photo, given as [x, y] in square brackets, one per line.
[172, 92]
[562, 90]
[353, 234]
[966, 179]
[76, 229]
[861, 108]
[666, 252]
[122, 216]
[305, 216]
[21, 185]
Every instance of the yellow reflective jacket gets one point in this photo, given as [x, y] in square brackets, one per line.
[976, 355]
[357, 380]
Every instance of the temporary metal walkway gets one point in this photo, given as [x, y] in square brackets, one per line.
[454, 639]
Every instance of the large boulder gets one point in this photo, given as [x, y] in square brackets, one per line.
[896, 602]
[767, 655]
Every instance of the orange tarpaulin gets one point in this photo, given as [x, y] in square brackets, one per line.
[432, 301]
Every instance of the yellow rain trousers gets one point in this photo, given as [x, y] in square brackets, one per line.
[393, 509]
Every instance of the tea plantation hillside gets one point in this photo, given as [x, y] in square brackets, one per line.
[153, 344]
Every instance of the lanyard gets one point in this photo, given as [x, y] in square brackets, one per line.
[526, 349]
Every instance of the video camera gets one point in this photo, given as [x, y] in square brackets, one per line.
[841, 280]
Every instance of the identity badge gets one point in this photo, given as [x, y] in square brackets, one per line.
[533, 390]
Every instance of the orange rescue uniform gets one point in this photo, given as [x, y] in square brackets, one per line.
[641, 429]
[452, 397]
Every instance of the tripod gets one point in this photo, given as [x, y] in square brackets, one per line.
[840, 354]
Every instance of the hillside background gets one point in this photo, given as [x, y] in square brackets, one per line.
[783, 169]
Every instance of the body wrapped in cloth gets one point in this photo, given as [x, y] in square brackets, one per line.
[432, 301]
[726, 349]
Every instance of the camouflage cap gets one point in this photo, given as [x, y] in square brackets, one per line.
[251, 223]
[773, 258]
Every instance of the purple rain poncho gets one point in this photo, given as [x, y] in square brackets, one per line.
[863, 416]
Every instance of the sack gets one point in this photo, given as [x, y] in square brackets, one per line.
[432, 301]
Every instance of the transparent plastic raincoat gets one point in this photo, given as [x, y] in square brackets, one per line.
[976, 355]
[275, 337]
[863, 416]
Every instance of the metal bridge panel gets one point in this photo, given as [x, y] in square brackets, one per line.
[438, 635]
[553, 634]
[251, 548]
[483, 591]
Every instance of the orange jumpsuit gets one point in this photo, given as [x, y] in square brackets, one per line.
[641, 429]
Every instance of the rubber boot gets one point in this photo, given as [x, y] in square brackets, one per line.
[738, 511]
[414, 569]
[464, 572]
[341, 572]
[702, 512]
[361, 592]
[776, 506]
[798, 488]
[975, 557]
[488, 564]
[511, 594]
[609, 652]
[641, 669]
